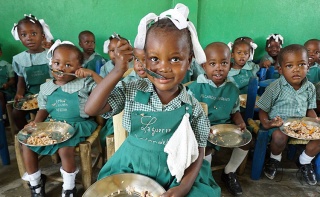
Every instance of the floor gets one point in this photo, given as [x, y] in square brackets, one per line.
[286, 183]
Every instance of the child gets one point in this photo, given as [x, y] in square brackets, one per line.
[241, 70]
[7, 83]
[31, 65]
[276, 104]
[274, 43]
[250, 41]
[88, 43]
[62, 99]
[210, 88]
[154, 108]
[108, 47]
[313, 48]
[138, 71]
[192, 73]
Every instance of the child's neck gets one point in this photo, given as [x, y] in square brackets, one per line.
[167, 96]
[86, 55]
[236, 66]
[35, 51]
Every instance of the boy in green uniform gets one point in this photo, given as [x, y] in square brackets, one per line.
[222, 98]
[292, 95]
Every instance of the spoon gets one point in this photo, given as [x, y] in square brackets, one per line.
[60, 73]
[29, 97]
[149, 72]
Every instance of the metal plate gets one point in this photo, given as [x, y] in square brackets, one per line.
[118, 184]
[243, 100]
[57, 131]
[229, 135]
[304, 135]
[18, 105]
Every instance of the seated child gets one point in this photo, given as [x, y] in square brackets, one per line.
[138, 64]
[7, 83]
[31, 65]
[274, 43]
[210, 88]
[62, 99]
[313, 48]
[108, 47]
[193, 72]
[249, 40]
[241, 71]
[87, 42]
[276, 104]
[156, 111]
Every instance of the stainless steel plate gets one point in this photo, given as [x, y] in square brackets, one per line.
[118, 184]
[57, 131]
[18, 105]
[229, 135]
[305, 135]
[243, 100]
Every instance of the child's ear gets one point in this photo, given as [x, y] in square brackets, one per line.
[280, 70]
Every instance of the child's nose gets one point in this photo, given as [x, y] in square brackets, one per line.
[164, 66]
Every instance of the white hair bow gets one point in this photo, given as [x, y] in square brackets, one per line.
[45, 27]
[277, 38]
[253, 46]
[178, 16]
[54, 46]
[230, 45]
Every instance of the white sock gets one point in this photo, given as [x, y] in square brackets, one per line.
[236, 159]
[69, 179]
[276, 157]
[4, 116]
[34, 179]
[304, 158]
[208, 158]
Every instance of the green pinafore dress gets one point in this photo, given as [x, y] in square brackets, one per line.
[63, 106]
[9, 93]
[36, 75]
[143, 150]
[242, 80]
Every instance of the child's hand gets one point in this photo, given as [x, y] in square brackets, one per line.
[173, 192]
[242, 126]
[276, 122]
[17, 97]
[123, 54]
[30, 124]
[265, 64]
[5, 86]
[83, 73]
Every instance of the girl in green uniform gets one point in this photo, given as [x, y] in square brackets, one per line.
[222, 98]
[155, 107]
[32, 65]
[62, 99]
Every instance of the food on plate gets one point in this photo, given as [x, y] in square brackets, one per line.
[302, 130]
[30, 104]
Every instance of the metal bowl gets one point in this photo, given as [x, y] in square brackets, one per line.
[57, 131]
[307, 120]
[229, 135]
[119, 184]
[18, 105]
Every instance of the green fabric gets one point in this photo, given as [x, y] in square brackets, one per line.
[91, 62]
[36, 75]
[63, 106]
[313, 74]
[105, 131]
[280, 99]
[6, 72]
[143, 151]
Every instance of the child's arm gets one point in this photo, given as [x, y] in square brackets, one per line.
[268, 124]
[238, 120]
[83, 72]
[21, 88]
[9, 83]
[318, 107]
[311, 113]
[97, 102]
[190, 175]
[42, 114]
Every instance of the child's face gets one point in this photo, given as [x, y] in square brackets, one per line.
[87, 43]
[313, 51]
[167, 54]
[273, 48]
[65, 60]
[139, 53]
[111, 48]
[218, 64]
[294, 68]
[241, 54]
[31, 36]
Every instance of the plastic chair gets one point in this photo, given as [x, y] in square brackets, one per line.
[84, 150]
[251, 98]
[4, 152]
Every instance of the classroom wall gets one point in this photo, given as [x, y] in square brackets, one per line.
[216, 20]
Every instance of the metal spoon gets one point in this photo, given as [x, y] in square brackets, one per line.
[149, 72]
[60, 73]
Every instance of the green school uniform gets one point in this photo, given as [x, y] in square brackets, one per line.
[34, 68]
[192, 73]
[241, 77]
[6, 73]
[66, 103]
[313, 74]
[90, 63]
[143, 150]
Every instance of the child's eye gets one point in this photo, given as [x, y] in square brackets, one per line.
[23, 35]
[154, 59]
[56, 63]
[238, 53]
[212, 64]
[111, 51]
[289, 66]
[175, 59]
[86, 42]
[68, 65]
[302, 65]
[34, 33]
[224, 63]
